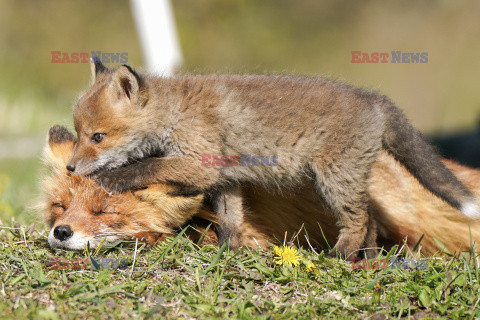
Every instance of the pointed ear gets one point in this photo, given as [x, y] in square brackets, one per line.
[97, 67]
[126, 84]
[59, 148]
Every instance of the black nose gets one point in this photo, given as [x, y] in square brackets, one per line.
[70, 167]
[62, 232]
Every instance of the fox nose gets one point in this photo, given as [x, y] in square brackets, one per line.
[70, 167]
[62, 232]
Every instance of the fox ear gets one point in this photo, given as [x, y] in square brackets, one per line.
[126, 83]
[97, 67]
[59, 147]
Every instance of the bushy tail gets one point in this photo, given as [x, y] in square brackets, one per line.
[409, 147]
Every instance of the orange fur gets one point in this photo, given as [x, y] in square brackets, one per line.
[402, 209]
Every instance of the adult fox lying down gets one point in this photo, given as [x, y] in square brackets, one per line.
[79, 211]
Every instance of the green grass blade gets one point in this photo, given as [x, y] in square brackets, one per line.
[418, 243]
[217, 257]
[168, 248]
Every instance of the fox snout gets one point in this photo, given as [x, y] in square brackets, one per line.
[82, 160]
[76, 155]
[84, 167]
[62, 232]
[72, 164]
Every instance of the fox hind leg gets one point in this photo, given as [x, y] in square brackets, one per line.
[343, 185]
[353, 225]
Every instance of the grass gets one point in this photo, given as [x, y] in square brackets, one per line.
[178, 279]
[217, 36]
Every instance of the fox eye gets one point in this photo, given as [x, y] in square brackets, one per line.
[98, 137]
[58, 208]
[58, 205]
[97, 211]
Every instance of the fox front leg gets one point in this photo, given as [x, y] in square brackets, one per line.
[178, 170]
[228, 206]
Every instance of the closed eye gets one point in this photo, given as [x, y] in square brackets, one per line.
[57, 208]
[99, 213]
[105, 210]
[99, 209]
[58, 205]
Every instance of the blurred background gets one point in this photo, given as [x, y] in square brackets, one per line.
[309, 37]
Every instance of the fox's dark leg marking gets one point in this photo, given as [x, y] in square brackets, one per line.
[170, 170]
[229, 209]
[184, 191]
[371, 244]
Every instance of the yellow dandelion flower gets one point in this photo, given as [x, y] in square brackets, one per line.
[286, 255]
[310, 267]
[277, 250]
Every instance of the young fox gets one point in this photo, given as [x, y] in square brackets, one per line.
[79, 211]
[135, 130]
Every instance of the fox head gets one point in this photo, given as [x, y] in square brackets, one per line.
[108, 119]
[80, 212]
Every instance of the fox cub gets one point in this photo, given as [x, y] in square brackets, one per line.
[80, 212]
[134, 130]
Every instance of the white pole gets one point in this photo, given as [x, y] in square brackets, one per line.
[156, 27]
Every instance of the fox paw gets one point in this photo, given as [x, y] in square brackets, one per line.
[233, 238]
[113, 181]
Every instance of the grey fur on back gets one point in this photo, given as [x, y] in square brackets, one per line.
[328, 131]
